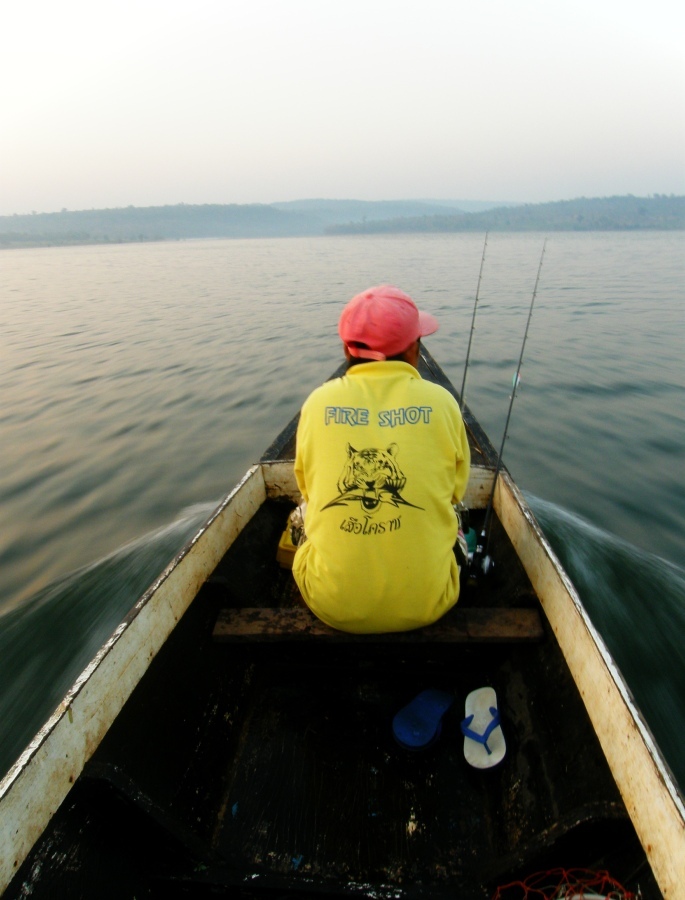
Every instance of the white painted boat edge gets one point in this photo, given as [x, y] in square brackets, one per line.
[38, 782]
[646, 784]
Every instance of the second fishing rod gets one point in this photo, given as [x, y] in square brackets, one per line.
[480, 563]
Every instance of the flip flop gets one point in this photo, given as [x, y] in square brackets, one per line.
[418, 725]
[484, 745]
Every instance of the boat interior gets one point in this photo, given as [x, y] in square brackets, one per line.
[258, 767]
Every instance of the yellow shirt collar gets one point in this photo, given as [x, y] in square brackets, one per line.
[382, 369]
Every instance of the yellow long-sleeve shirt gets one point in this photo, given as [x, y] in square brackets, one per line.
[382, 455]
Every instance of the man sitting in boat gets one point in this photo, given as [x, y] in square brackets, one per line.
[382, 456]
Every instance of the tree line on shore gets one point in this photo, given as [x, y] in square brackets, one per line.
[336, 217]
[657, 213]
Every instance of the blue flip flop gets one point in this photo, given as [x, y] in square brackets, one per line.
[418, 725]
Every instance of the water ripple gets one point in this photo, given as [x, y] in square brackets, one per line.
[637, 602]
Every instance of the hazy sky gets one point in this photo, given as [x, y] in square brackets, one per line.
[149, 102]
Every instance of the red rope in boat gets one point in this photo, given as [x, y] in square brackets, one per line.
[565, 884]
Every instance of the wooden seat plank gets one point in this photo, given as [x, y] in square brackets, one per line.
[458, 626]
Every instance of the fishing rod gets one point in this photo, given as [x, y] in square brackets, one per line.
[481, 562]
[473, 328]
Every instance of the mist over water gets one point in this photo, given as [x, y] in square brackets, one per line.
[138, 382]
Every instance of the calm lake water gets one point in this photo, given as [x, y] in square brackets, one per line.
[138, 382]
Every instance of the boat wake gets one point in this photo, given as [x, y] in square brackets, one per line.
[635, 599]
[637, 602]
[47, 641]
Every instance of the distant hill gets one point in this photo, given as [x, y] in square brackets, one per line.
[152, 223]
[337, 210]
[333, 212]
[629, 213]
[317, 217]
[468, 206]
[298, 218]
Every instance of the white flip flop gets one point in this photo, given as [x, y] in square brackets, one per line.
[484, 745]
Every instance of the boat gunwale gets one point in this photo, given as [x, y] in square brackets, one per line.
[598, 640]
[668, 864]
[25, 776]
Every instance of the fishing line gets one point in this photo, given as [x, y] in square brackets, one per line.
[473, 328]
[481, 561]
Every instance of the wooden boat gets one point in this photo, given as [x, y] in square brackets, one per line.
[224, 743]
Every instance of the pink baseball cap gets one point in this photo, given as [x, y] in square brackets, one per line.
[383, 321]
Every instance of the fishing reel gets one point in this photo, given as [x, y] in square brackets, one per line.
[473, 559]
[481, 564]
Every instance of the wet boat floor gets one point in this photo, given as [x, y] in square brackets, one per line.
[319, 786]
[317, 792]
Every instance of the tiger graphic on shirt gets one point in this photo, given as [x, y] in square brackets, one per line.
[372, 478]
